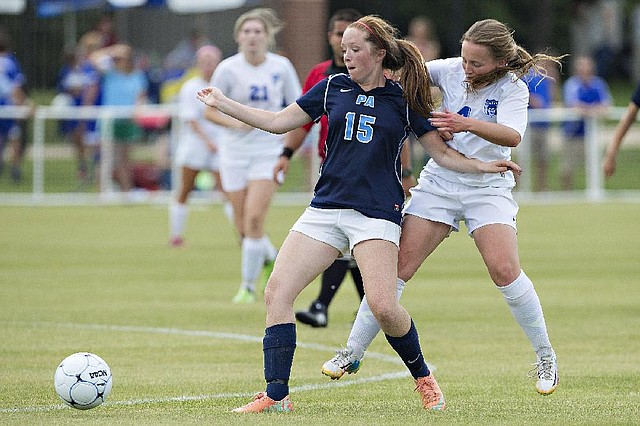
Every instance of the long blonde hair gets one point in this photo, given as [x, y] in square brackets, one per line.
[268, 17]
[498, 38]
[403, 59]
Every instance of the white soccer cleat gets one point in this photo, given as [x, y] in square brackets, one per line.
[546, 369]
[343, 362]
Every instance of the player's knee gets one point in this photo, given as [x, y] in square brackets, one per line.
[271, 292]
[253, 224]
[504, 274]
[406, 270]
[383, 311]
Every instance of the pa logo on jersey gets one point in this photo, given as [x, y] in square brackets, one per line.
[367, 101]
[491, 107]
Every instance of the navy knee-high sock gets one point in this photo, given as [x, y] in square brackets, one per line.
[278, 345]
[408, 347]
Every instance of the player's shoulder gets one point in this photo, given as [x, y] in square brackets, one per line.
[231, 61]
[509, 87]
[274, 58]
[341, 82]
[516, 83]
[446, 73]
[445, 65]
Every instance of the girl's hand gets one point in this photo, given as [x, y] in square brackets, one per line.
[210, 96]
[447, 121]
[500, 166]
[280, 170]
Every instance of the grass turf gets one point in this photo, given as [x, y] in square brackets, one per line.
[103, 279]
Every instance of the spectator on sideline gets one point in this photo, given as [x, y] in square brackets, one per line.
[421, 33]
[79, 82]
[181, 57]
[609, 163]
[261, 79]
[106, 29]
[122, 85]
[542, 92]
[12, 92]
[198, 144]
[332, 277]
[589, 95]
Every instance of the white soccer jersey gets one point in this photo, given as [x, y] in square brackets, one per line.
[192, 151]
[271, 86]
[504, 102]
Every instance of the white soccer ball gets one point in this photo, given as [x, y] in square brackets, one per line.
[83, 380]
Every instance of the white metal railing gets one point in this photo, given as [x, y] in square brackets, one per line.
[594, 143]
[105, 115]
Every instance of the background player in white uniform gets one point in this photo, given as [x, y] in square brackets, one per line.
[198, 146]
[485, 108]
[369, 120]
[261, 79]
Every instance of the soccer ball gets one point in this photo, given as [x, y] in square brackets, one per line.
[83, 380]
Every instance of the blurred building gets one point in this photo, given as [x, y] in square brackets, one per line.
[153, 28]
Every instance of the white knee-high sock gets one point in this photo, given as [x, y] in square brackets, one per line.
[366, 327]
[177, 218]
[228, 211]
[253, 254]
[270, 250]
[526, 309]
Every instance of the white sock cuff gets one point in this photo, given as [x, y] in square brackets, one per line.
[518, 288]
[271, 250]
[400, 284]
[252, 243]
[178, 207]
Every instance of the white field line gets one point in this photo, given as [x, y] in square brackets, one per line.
[217, 335]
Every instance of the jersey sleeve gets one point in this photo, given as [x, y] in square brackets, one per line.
[313, 102]
[513, 107]
[437, 68]
[419, 124]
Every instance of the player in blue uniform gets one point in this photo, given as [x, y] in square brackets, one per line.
[358, 197]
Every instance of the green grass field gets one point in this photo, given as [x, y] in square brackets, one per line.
[103, 279]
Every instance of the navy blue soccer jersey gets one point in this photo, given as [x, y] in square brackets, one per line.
[366, 134]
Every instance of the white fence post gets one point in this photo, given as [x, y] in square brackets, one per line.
[38, 154]
[593, 174]
[106, 155]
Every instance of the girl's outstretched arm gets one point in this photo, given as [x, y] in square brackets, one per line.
[278, 122]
